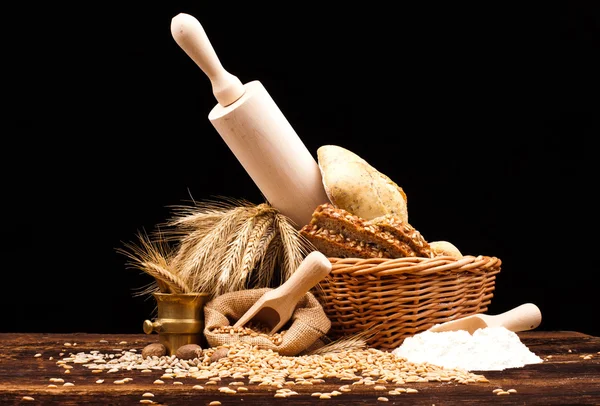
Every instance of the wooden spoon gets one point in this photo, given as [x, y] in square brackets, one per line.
[275, 308]
[524, 317]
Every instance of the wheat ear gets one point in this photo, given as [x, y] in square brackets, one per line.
[151, 257]
[254, 248]
[195, 218]
[269, 261]
[195, 259]
[175, 283]
[294, 246]
[230, 263]
[201, 217]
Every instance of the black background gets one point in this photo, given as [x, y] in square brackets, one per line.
[486, 115]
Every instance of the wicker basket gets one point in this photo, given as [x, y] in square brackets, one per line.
[397, 298]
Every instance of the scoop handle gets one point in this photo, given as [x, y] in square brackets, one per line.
[522, 318]
[311, 271]
[191, 37]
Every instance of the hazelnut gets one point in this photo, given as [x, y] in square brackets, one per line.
[218, 354]
[188, 351]
[154, 350]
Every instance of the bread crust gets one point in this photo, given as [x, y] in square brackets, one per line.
[445, 248]
[354, 185]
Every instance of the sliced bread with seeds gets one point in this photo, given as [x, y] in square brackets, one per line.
[404, 232]
[336, 245]
[340, 221]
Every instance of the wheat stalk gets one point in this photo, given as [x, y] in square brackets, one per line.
[196, 259]
[152, 257]
[203, 214]
[230, 264]
[175, 283]
[269, 261]
[253, 248]
[151, 288]
[353, 342]
[295, 247]
[200, 218]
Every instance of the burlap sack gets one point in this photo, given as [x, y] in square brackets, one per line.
[307, 326]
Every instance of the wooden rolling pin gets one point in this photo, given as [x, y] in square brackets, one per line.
[256, 131]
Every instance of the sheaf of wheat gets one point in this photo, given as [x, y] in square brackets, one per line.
[218, 246]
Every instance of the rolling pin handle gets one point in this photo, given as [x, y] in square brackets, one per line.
[191, 37]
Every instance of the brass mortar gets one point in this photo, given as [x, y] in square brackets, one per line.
[180, 320]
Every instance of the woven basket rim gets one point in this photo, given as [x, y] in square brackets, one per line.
[413, 265]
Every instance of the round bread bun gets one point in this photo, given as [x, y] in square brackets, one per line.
[352, 184]
[444, 248]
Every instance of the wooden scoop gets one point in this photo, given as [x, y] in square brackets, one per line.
[524, 317]
[275, 308]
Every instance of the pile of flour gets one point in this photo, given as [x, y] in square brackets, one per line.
[488, 349]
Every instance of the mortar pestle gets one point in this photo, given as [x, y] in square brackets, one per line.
[180, 320]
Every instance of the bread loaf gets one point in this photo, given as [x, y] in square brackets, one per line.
[352, 184]
[445, 248]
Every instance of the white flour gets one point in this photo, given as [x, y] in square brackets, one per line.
[488, 349]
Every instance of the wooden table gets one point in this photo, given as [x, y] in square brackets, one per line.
[564, 378]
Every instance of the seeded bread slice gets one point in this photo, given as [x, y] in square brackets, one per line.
[404, 232]
[337, 246]
[342, 222]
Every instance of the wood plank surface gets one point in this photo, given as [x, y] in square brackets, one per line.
[564, 378]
